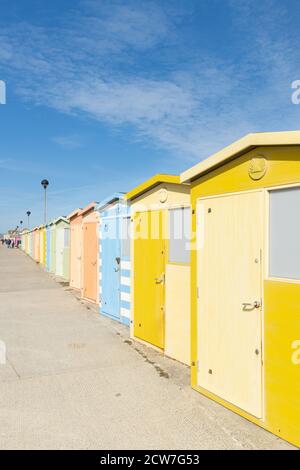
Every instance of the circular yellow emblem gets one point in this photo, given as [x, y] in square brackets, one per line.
[163, 195]
[258, 168]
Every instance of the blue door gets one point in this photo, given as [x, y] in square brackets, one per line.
[110, 263]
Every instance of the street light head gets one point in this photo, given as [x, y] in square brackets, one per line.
[21, 221]
[28, 213]
[45, 183]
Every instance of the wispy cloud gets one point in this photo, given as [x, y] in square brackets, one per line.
[104, 63]
[11, 165]
[68, 141]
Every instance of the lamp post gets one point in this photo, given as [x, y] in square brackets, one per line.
[45, 184]
[28, 216]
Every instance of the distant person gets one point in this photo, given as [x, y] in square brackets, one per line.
[13, 244]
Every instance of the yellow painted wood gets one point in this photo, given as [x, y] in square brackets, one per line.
[27, 241]
[178, 195]
[283, 168]
[151, 183]
[42, 245]
[281, 299]
[157, 196]
[149, 268]
[238, 148]
[177, 315]
[282, 348]
[229, 273]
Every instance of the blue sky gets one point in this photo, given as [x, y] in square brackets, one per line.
[102, 94]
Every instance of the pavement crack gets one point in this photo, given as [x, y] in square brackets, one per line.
[13, 367]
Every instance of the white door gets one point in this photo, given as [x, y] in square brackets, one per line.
[229, 275]
[60, 240]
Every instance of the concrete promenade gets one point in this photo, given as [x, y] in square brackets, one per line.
[74, 380]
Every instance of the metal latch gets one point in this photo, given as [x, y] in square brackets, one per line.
[249, 305]
[160, 280]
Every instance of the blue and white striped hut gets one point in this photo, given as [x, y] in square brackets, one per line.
[114, 258]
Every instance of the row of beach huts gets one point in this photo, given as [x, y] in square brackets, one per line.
[204, 266]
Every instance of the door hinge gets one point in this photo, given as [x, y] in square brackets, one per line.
[197, 292]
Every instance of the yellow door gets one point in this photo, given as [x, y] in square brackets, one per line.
[149, 275]
[229, 274]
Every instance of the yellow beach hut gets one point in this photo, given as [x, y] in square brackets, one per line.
[42, 234]
[30, 243]
[36, 244]
[160, 274]
[245, 279]
[27, 241]
[24, 239]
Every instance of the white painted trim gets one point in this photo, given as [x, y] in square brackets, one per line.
[125, 312]
[119, 216]
[125, 281]
[267, 234]
[283, 279]
[126, 265]
[234, 193]
[125, 296]
[282, 186]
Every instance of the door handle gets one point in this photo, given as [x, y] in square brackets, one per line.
[118, 262]
[251, 305]
[160, 280]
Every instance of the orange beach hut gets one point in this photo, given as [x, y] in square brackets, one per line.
[75, 219]
[90, 253]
